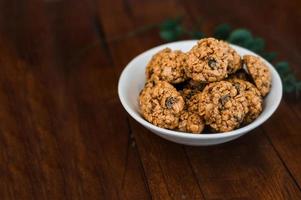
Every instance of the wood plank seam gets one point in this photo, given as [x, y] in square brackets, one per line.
[98, 29]
[141, 164]
[193, 171]
[281, 159]
[266, 135]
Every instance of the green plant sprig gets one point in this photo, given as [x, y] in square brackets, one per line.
[173, 29]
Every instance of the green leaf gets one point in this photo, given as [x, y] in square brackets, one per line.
[289, 82]
[240, 37]
[179, 30]
[282, 64]
[288, 88]
[168, 35]
[282, 67]
[197, 34]
[222, 31]
[170, 24]
[171, 35]
[290, 78]
[298, 85]
[257, 45]
[269, 56]
[171, 29]
[298, 88]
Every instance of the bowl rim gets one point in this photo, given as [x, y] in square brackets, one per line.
[186, 135]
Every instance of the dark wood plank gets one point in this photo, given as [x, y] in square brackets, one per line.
[166, 166]
[281, 31]
[282, 130]
[59, 139]
[217, 187]
[248, 168]
[123, 168]
[64, 134]
[16, 177]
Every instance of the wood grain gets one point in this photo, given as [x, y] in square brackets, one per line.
[275, 190]
[68, 150]
[167, 170]
[273, 27]
[64, 134]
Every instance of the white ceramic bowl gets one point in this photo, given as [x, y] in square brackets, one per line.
[132, 80]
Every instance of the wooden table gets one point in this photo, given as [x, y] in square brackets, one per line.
[65, 135]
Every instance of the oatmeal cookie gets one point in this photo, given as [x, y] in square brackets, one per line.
[223, 107]
[208, 92]
[192, 94]
[191, 122]
[252, 94]
[193, 102]
[260, 73]
[161, 104]
[234, 59]
[207, 61]
[167, 65]
[187, 93]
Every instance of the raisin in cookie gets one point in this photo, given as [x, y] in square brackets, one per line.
[253, 96]
[161, 104]
[167, 65]
[260, 73]
[191, 122]
[224, 109]
[207, 61]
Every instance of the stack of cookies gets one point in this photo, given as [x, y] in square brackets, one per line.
[209, 86]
